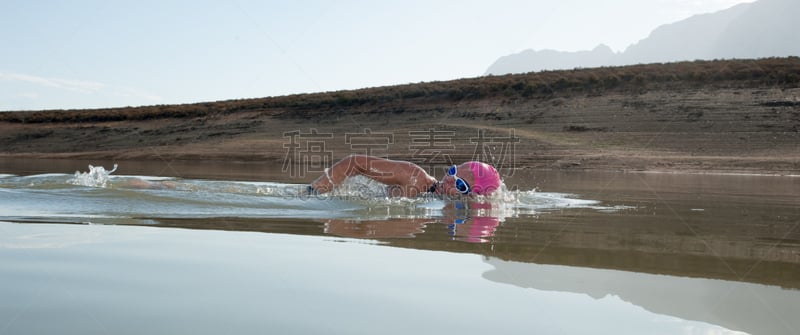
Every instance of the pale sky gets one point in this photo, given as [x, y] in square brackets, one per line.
[93, 54]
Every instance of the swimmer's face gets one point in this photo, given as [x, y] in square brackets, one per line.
[448, 185]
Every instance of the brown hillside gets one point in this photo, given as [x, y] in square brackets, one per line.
[733, 115]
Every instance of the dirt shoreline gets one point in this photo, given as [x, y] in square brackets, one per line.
[728, 127]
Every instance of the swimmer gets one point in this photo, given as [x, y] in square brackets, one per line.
[407, 179]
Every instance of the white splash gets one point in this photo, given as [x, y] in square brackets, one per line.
[96, 177]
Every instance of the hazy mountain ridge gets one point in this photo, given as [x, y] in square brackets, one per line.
[765, 28]
[552, 59]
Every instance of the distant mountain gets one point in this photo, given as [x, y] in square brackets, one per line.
[530, 60]
[766, 28]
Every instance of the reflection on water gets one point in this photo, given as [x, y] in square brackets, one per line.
[476, 229]
[469, 221]
[133, 280]
[621, 252]
[752, 308]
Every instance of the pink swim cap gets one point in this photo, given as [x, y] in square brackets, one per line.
[487, 179]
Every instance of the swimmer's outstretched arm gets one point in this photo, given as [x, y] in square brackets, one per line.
[146, 184]
[407, 178]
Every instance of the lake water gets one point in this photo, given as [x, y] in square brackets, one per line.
[210, 248]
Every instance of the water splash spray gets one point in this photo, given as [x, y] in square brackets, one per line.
[96, 177]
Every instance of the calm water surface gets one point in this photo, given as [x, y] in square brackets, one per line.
[232, 248]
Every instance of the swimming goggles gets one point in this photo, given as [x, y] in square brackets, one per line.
[461, 184]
